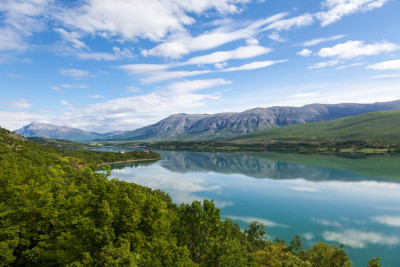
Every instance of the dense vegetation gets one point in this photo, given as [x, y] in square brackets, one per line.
[53, 214]
[381, 126]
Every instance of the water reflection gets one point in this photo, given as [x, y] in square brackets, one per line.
[284, 166]
[351, 201]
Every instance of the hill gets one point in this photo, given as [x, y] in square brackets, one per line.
[375, 126]
[229, 125]
[60, 132]
[55, 215]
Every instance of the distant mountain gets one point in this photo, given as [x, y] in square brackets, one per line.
[60, 132]
[229, 125]
[374, 126]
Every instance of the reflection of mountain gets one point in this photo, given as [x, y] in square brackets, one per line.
[260, 165]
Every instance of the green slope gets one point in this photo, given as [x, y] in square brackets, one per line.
[375, 126]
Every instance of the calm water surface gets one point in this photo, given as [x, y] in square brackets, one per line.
[333, 199]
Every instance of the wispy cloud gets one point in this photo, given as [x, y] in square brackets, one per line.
[336, 9]
[274, 36]
[66, 104]
[324, 64]
[386, 65]
[352, 49]
[195, 85]
[243, 52]
[322, 40]
[96, 96]
[75, 73]
[133, 89]
[23, 103]
[185, 43]
[150, 19]
[286, 24]
[351, 65]
[303, 95]
[305, 52]
[254, 65]
[385, 76]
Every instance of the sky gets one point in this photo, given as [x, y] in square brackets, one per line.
[102, 65]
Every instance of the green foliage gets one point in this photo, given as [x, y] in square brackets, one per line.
[53, 214]
[255, 234]
[374, 262]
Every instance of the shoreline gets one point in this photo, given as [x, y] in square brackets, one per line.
[125, 161]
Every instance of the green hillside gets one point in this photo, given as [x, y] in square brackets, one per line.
[375, 126]
[55, 214]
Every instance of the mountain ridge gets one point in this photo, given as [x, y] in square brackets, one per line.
[60, 132]
[231, 124]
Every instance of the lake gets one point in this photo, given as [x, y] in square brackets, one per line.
[354, 201]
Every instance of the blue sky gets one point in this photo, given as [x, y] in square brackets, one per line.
[103, 65]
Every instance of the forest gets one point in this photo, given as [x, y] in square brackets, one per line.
[53, 213]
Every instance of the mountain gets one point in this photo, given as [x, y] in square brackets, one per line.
[374, 126]
[229, 125]
[60, 132]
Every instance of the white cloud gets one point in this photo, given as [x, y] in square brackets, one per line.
[351, 65]
[13, 120]
[67, 85]
[75, 73]
[147, 19]
[183, 44]
[388, 220]
[274, 36]
[66, 103]
[56, 88]
[286, 24]
[340, 8]
[11, 40]
[20, 19]
[96, 96]
[242, 52]
[143, 68]
[322, 40]
[254, 65]
[23, 103]
[305, 52]
[252, 41]
[195, 85]
[118, 54]
[220, 66]
[359, 239]
[164, 75]
[385, 76]
[248, 220]
[303, 95]
[324, 64]
[352, 49]
[133, 89]
[386, 65]
[72, 37]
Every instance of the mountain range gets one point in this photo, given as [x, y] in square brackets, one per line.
[229, 125]
[60, 132]
[214, 126]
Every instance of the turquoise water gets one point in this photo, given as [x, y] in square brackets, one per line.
[356, 202]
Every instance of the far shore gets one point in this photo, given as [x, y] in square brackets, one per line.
[125, 161]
